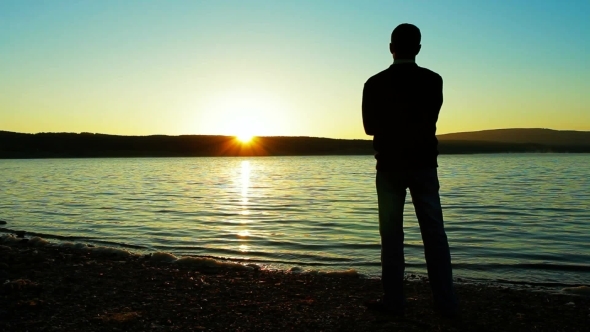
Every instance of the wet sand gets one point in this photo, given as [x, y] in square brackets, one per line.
[76, 288]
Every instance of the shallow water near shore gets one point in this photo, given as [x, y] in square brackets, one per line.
[519, 218]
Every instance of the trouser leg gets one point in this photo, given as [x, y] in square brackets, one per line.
[424, 188]
[391, 195]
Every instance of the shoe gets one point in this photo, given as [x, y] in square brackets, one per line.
[379, 306]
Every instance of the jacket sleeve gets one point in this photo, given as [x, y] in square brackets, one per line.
[438, 101]
[369, 110]
[440, 90]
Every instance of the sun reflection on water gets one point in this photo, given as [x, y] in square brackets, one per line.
[244, 233]
[245, 180]
[245, 186]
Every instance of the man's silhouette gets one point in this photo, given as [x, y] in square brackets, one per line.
[400, 110]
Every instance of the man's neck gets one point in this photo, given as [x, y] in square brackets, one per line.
[400, 61]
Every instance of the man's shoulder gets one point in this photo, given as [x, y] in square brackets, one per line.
[393, 70]
[430, 73]
[379, 76]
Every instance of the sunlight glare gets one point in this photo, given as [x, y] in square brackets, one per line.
[246, 112]
[244, 138]
[244, 233]
[245, 170]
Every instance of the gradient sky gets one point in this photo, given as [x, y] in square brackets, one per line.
[283, 67]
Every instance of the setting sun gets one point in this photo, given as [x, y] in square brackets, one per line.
[244, 138]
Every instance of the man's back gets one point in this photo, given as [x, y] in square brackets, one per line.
[400, 108]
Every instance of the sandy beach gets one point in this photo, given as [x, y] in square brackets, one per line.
[75, 287]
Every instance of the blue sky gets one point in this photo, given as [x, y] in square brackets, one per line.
[283, 68]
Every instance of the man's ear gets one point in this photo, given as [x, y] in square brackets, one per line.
[419, 48]
[391, 48]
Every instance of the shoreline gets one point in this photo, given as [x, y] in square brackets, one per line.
[135, 250]
[74, 287]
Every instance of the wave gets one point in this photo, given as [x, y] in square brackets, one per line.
[73, 238]
[525, 266]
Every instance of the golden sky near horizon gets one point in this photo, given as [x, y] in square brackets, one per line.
[290, 69]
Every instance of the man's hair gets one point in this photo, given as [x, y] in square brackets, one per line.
[405, 38]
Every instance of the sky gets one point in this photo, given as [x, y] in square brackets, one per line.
[288, 68]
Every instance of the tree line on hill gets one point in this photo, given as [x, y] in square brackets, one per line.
[89, 145]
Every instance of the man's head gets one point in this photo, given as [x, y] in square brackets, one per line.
[405, 41]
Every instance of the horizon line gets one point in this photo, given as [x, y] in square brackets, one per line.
[270, 136]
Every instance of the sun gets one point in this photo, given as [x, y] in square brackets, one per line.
[244, 138]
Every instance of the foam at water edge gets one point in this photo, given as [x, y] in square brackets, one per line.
[347, 273]
[160, 257]
[38, 242]
[163, 257]
[209, 263]
[581, 290]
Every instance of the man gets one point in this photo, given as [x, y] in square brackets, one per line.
[400, 109]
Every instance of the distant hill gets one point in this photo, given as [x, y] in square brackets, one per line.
[89, 145]
[548, 137]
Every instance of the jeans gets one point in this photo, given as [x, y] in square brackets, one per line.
[391, 193]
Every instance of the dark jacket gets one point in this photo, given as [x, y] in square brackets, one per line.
[400, 109]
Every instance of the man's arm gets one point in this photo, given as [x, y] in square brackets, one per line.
[369, 110]
[439, 88]
[438, 101]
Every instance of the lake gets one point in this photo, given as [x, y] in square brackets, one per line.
[518, 218]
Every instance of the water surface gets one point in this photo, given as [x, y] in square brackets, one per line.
[517, 217]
